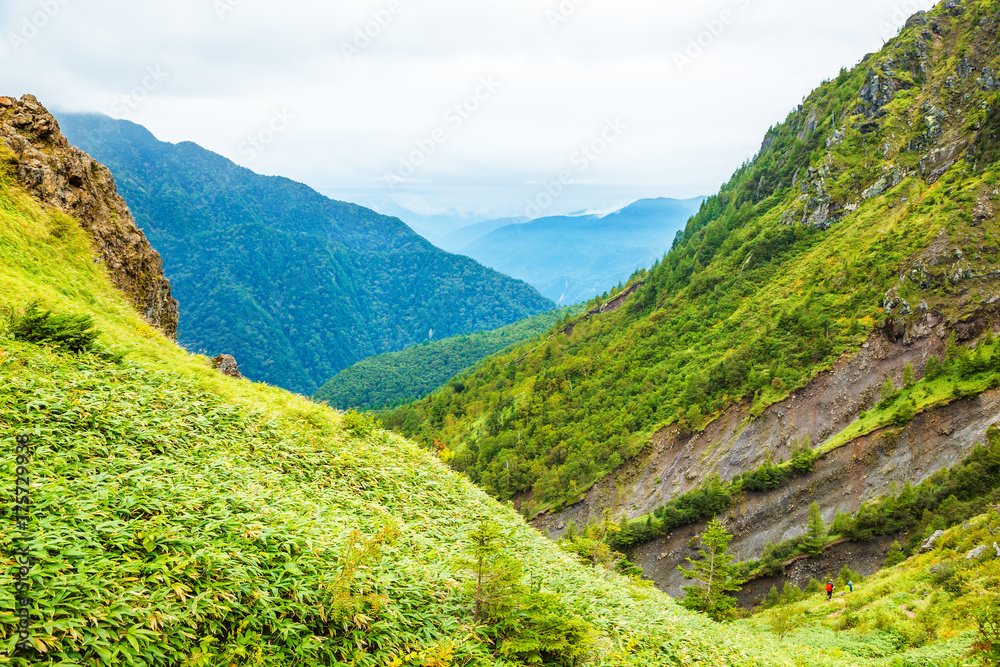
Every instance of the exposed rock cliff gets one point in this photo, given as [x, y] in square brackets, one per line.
[66, 178]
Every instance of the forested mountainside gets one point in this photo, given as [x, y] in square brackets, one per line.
[392, 379]
[296, 286]
[179, 516]
[860, 239]
[573, 258]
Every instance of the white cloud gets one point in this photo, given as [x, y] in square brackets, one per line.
[354, 118]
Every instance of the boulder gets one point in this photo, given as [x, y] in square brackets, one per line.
[977, 553]
[226, 364]
[929, 542]
[997, 548]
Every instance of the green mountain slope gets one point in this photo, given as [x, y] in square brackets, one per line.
[824, 236]
[180, 517]
[296, 286]
[394, 378]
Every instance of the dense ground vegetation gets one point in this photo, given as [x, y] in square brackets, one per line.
[296, 286]
[788, 267]
[392, 379]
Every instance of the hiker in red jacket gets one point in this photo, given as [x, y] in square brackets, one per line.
[829, 591]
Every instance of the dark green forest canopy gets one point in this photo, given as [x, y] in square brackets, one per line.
[392, 379]
[296, 286]
[781, 272]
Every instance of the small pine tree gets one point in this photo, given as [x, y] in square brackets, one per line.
[772, 596]
[933, 369]
[952, 350]
[908, 378]
[790, 593]
[815, 538]
[496, 584]
[75, 333]
[716, 572]
[896, 555]
[888, 391]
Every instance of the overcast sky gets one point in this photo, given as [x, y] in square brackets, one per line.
[450, 107]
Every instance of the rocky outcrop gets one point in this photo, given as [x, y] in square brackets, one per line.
[977, 553]
[226, 364]
[66, 178]
[929, 543]
[610, 306]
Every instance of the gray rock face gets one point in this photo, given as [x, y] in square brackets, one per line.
[939, 160]
[929, 542]
[997, 548]
[34, 151]
[977, 553]
[226, 364]
[879, 90]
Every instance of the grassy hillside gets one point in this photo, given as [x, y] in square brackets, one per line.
[392, 379]
[934, 605]
[808, 248]
[183, 518]
[296, 286]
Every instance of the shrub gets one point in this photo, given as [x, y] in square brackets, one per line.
[781, 621]
[987, 643]
[896, 555]
[75, 333]
[360, 424]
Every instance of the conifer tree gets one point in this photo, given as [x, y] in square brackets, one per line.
[716, 572]
[815, 537]
[888, 391]
[497, 577]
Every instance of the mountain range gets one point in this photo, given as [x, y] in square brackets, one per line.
[573, 258]
[806, 387]
[296, 286]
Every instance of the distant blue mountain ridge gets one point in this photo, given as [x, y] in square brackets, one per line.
[573, 258]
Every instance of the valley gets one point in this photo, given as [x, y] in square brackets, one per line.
[765, 432]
